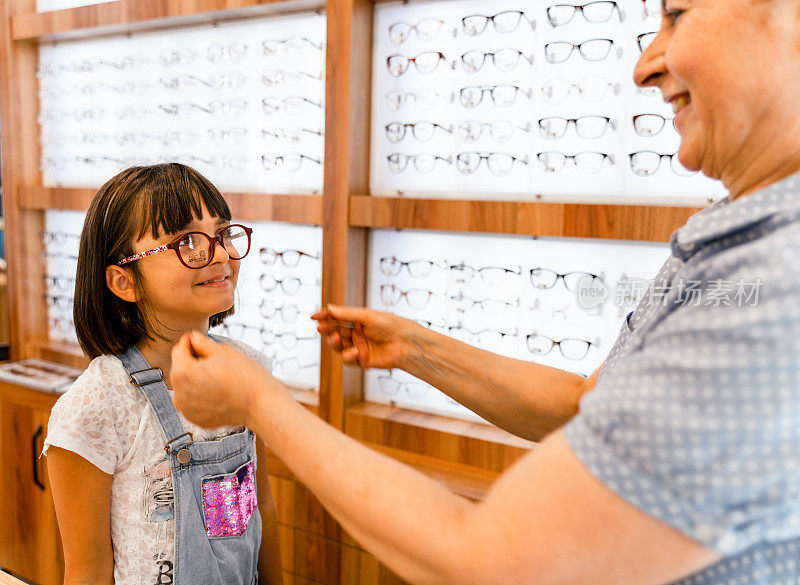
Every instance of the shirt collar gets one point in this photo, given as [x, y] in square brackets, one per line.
[725, 217]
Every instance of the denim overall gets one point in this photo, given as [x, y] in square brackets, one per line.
[217, 524]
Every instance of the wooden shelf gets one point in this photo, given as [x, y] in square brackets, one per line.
[57, 351]
[308, 398]
[301, 209]
[470, 482]
[124, 16]
[570, 220]
[26, 396]
[426, 438]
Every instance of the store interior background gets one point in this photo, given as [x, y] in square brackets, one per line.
[487, 169]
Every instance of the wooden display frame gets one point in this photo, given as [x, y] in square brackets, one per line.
[466, 456]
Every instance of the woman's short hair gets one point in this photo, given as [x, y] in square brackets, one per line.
[160, 199]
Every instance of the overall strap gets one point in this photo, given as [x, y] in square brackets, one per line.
[151, 381]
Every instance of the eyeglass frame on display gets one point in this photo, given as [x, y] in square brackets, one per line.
[404, 294]
[415, 158]
[281, 255]
[615, 88]
[476, 334]
[580, 8]
[562, 277]
[279, 310]
[488, 157]
[56, 280]
[403, 385]
[286, 43]
[407, 265]
[493, 55]
[403, 97]
[491, 125]
[414, 125]
[283, 160]
[265, 104]
[486, 19]
[461, 269]
[611, 43]
[608, 122]
[285, 133]
[663, 119]
[415, 28]
[644, 39]
[491, 89]
[409, 60]
[574, 158]
[673, 159]
[460, 297]
[559, 343]
[297, 74]
[59, 301]
[279, 283]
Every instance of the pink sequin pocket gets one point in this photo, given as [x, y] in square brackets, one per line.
[229, 501]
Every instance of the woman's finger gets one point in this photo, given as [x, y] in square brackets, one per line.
[335, 341]
[350, 356]
[201, 345]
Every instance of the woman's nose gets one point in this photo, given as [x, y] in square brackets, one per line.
[651, 67]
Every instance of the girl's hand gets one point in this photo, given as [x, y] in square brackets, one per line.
[370, 339]
[216, 385]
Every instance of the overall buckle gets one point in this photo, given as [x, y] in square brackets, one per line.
[183, 455]
[159, 379]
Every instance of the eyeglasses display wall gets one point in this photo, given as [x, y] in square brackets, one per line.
[555, 301]
[515, 99]
[60, 241]
[277, 292]
[242, 102]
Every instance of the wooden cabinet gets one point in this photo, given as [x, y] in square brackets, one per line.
[30, 546]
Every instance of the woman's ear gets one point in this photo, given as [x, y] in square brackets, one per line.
[119, 282]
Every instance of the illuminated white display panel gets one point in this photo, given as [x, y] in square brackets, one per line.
[490, 100]
[242, 102]
[504, 294]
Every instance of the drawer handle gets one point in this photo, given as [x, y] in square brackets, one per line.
[34, 450]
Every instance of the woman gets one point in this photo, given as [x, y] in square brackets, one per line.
[681, 464]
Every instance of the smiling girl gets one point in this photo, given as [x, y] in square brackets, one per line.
[143, 496]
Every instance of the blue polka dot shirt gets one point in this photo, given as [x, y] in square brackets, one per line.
[695, 418]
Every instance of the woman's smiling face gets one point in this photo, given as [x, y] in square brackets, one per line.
[729, 68]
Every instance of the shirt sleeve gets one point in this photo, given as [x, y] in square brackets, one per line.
[699, 424]
[86, 420]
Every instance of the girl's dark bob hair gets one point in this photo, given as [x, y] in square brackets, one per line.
[160, 199]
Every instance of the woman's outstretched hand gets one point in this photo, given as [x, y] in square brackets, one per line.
[216, 385]
[368, 338]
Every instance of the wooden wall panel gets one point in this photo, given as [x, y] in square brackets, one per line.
[361, 568]
[346, 169]
[20, 166]
[124, 16]
[301, 209]
[569, 220]
[434, 437]
[316, 558]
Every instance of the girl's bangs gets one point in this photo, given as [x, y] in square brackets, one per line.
[175, 197]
